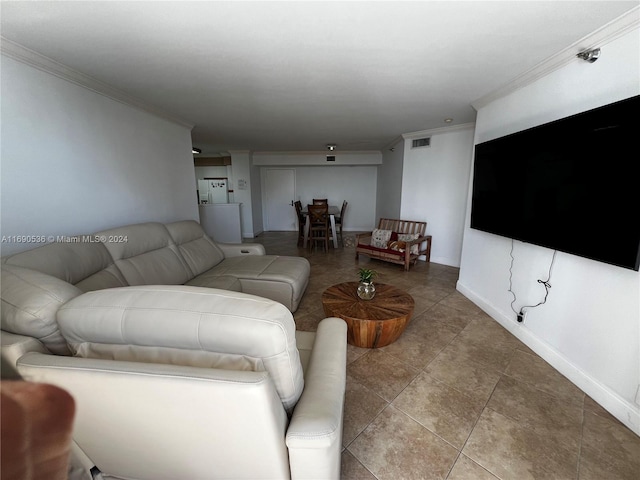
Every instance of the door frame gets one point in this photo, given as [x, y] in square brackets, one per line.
[265, 197]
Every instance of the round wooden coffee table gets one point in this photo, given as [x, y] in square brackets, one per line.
[371, 323]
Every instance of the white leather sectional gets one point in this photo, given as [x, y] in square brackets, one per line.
[181, 354]
[173, 254]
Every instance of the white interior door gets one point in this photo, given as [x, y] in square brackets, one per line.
[280, 189]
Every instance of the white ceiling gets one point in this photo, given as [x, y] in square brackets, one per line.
[294, 76]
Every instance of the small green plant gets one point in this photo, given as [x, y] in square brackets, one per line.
[367, 275]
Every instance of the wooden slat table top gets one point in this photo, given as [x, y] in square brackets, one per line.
[371, 323]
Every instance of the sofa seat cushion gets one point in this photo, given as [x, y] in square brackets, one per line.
[213, 280]
[283, 279]
[388, 251]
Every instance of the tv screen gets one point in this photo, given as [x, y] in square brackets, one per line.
[569, 185]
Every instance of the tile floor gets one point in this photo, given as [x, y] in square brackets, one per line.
[457, 397]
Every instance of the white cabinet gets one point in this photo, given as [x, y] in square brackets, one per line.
[221, 221]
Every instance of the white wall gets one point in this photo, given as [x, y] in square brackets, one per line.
[256, 200]
[244, 190]
[74, 161]
[221, 171]
[389, 186]
[317, 158]
[356, 185]
[352, 177]
[589, 329]
[435, 186]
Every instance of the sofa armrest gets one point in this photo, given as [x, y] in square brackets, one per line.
[314, 437]
[241, 249]
[13, 347]
[180, 420]
[364, 238]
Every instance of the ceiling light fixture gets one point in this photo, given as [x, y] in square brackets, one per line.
[331, 147]
[448, 120]
[195, 150]
[589, 55]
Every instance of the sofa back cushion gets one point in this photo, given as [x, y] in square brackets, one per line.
[197, 249]
[30, 302]
[146, 254]
[190, 326]
[81, 260]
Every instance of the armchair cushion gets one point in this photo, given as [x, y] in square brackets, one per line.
[380, 238]
[189, 326]
[407, 237]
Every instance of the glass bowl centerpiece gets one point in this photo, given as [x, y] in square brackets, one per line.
[366, 288]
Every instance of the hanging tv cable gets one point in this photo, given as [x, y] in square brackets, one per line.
[544, 283]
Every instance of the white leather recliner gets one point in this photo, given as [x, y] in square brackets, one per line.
[180, 382]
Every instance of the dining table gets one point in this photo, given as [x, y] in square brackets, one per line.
[334, 212]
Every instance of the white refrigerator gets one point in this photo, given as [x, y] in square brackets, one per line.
[213, 190]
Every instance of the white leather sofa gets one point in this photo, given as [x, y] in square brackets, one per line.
[177, 381]
[173, 254]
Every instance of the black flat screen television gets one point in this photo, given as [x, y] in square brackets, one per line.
[569, 185]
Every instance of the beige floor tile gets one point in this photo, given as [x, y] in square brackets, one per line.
[352, 469]
[533, 370]
[460, 302]
[419, 350]
[484, 329]
[609, 450]
[354, 353]
[452, 317]
[590, 405]
[495, 356]
[511, 451]
[473, 379]
[361, 407]
[550, 416]
[382, 373]
[396, 447]
[467, 469]
[444, 410]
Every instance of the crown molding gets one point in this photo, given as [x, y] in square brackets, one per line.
[435, 131]
[606, 34]
[34, 59]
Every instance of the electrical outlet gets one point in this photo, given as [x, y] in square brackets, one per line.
[521, 317]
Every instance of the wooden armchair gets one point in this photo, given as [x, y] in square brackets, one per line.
[396, 241]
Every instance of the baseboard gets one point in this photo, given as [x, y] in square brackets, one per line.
[626, 412]
[450, 262]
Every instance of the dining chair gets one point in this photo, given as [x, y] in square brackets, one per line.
[318, 225]
[320, 201]
[301, 221]
[340, 221]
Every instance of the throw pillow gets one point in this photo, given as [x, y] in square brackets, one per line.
[407, 237]
[397, 245]
[380, 238]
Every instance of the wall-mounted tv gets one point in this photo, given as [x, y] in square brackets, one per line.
[571, 185]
